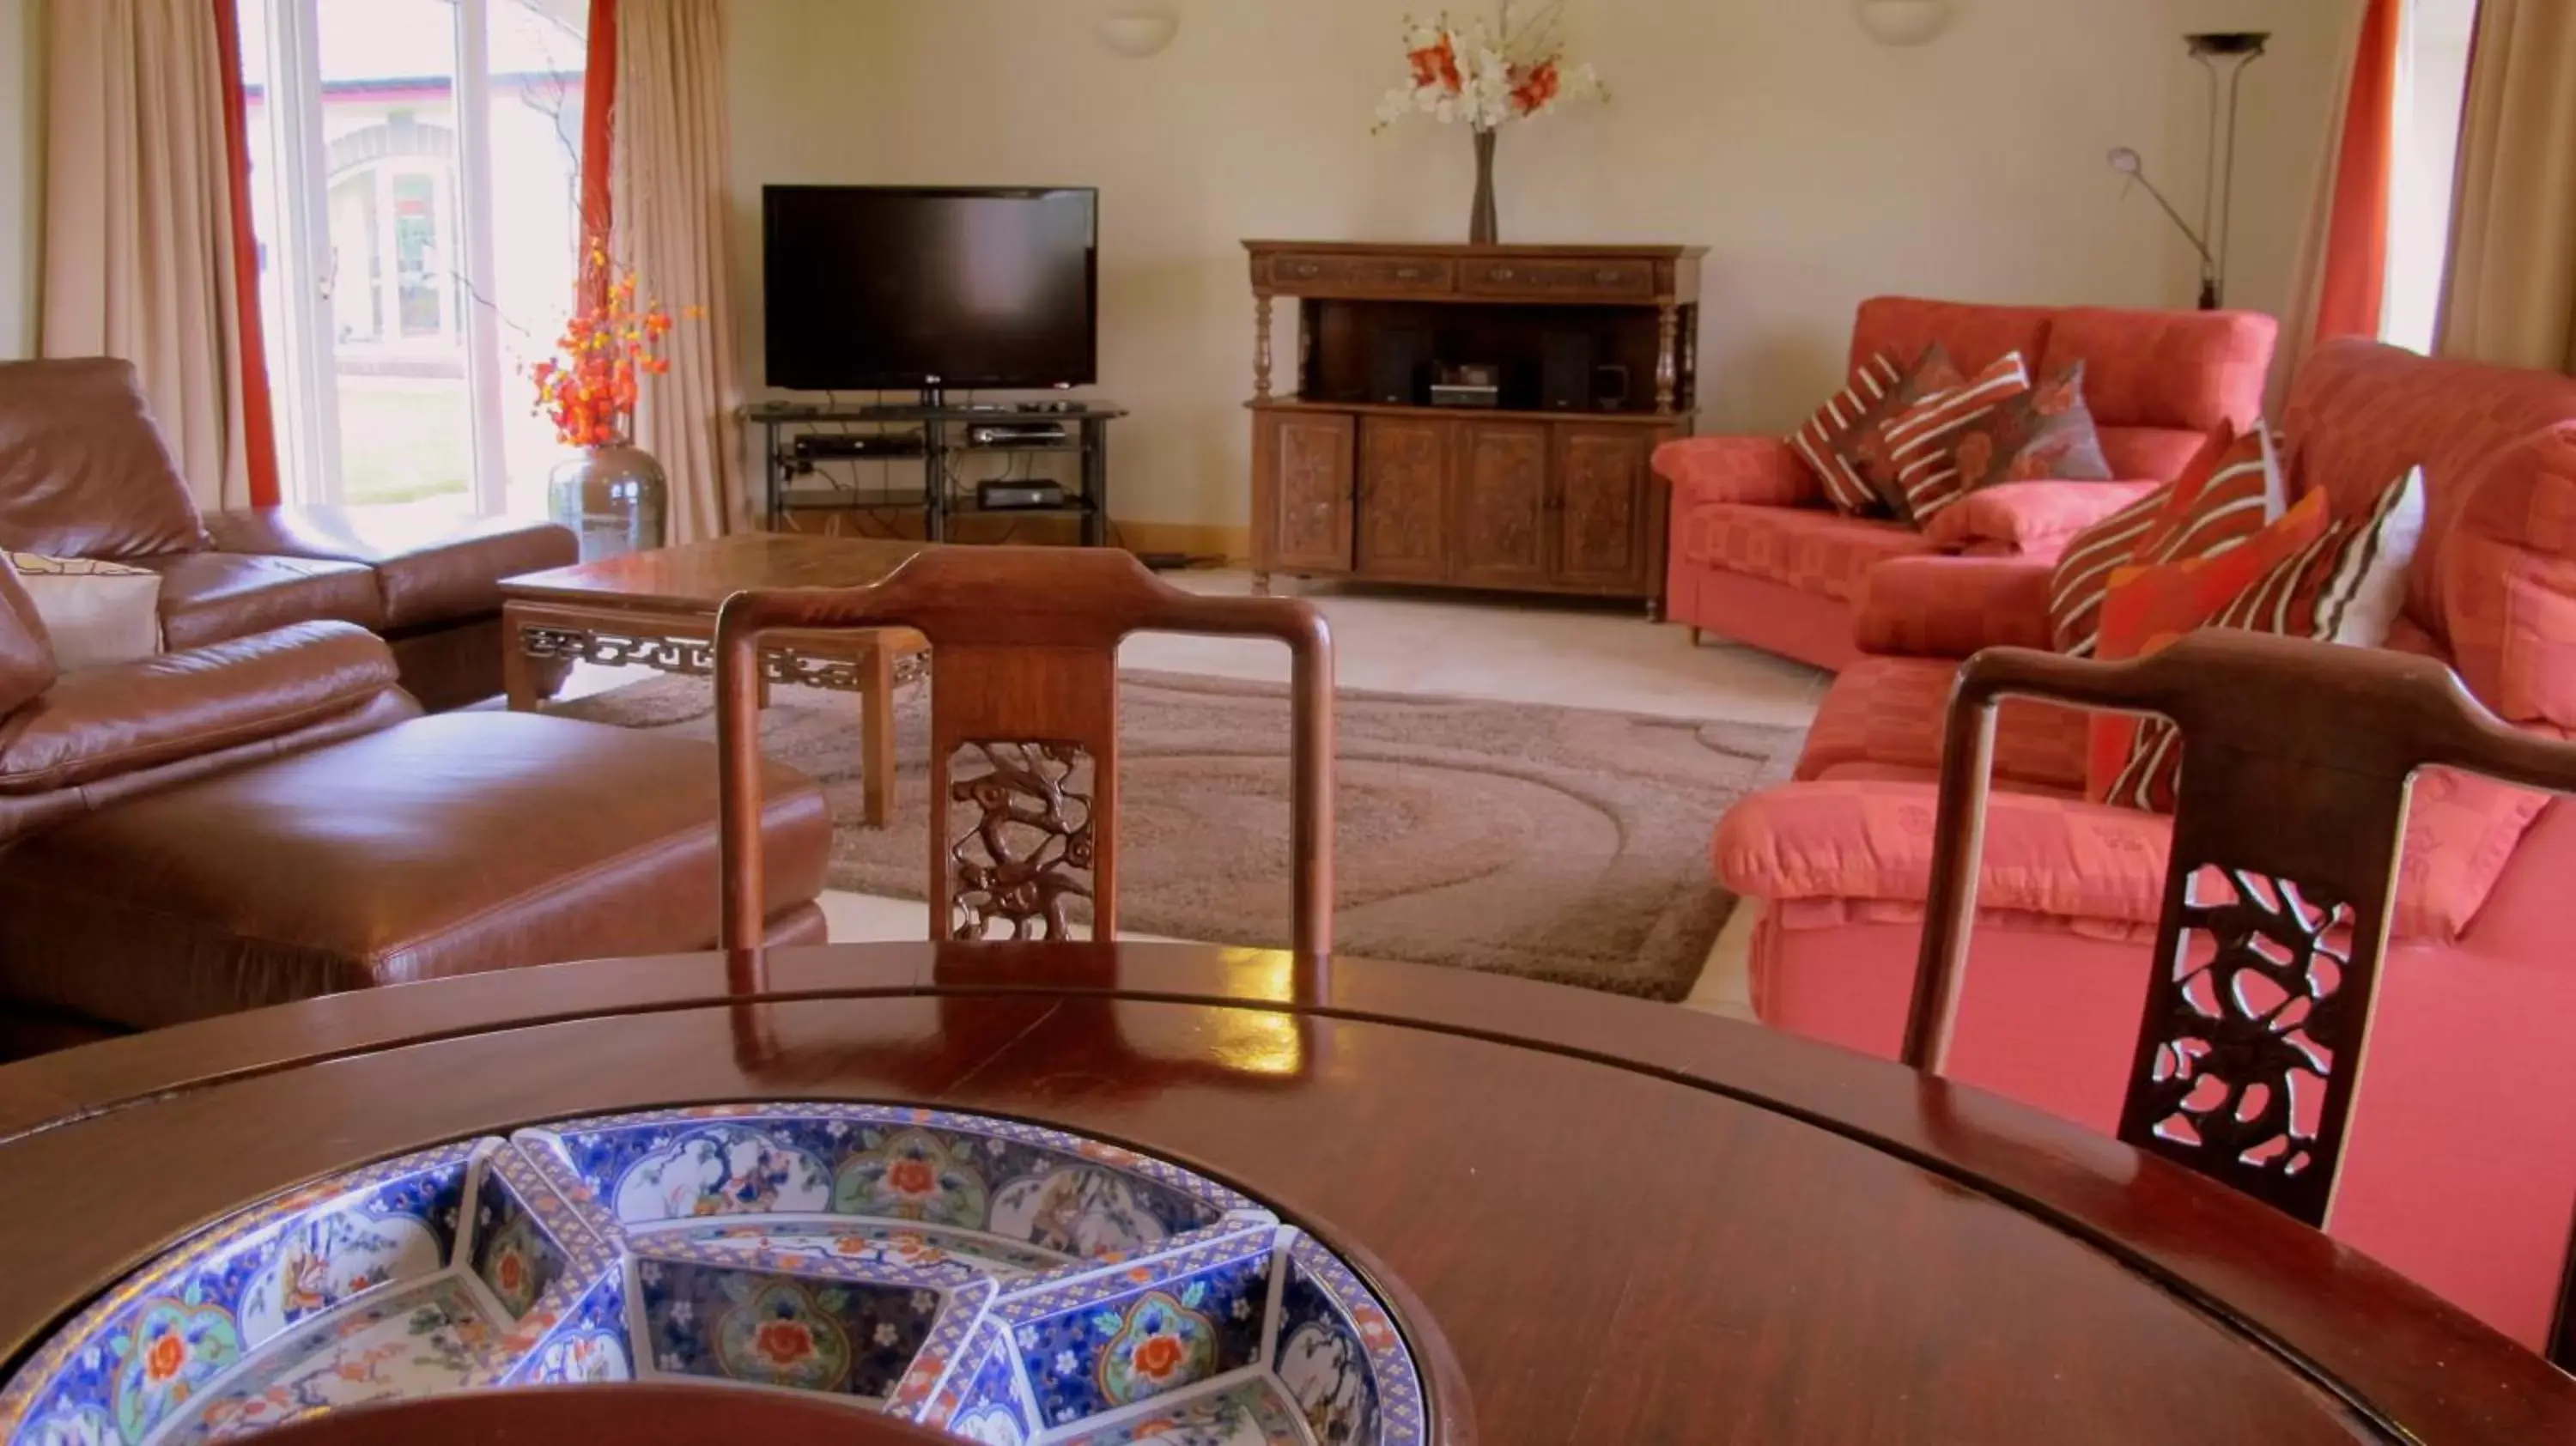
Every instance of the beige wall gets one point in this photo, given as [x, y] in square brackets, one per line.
[22, 172]
[1819, 167]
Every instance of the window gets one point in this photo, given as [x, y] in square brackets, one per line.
[415, 188]
[2432, 84]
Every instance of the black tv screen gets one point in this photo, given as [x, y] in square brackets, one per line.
[880, 287]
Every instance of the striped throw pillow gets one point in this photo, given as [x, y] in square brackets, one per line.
[1924, 442]
[2083, 575]
[2346, 587]
[1819, 442]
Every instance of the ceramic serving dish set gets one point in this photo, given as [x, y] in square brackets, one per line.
[1000, 1281]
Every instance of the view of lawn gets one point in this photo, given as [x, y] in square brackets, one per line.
[402, 440]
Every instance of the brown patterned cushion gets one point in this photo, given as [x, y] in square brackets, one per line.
[2045, 434]
[1815, 441]
[1926, 440]
[1866, 447]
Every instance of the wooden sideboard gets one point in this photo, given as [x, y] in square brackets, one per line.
[1351, 481]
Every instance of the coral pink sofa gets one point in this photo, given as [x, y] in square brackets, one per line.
[1759, 556]
[2462, 1160]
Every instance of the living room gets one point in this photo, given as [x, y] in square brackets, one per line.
[1887, 635]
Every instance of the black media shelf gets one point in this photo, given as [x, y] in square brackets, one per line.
[940, 497]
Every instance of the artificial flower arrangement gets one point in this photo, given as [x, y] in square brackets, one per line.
[1487, 74]
[588, 388]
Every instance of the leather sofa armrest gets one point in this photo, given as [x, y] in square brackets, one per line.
[2030, 519]
[98, 723]
[438, 571]
[1950, 607]
[1760, 470]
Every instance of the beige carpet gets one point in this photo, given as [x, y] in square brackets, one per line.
[1552, 843]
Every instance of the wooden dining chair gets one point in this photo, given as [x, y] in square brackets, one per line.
[2290, 816]
[1024, 730]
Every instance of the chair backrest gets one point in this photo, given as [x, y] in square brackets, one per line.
[2279, 884]
[1024, 729]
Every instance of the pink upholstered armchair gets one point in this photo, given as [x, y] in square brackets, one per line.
[2463, 1154]
[1758, 555]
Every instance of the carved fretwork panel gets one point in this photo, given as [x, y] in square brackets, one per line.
[1020, 843]
[2243, 1036]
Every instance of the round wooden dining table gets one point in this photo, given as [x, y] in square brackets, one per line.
[1600, 1219]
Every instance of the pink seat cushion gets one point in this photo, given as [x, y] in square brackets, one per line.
[1812, 549]
[1870, 840]
[1891, 710]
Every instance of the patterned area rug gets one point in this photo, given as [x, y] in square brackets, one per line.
[1552, 843]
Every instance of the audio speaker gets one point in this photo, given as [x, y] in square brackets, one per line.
[1565, 372]
[1400, 367]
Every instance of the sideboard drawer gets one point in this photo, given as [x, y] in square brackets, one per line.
[1605, 279]
[1296, 274]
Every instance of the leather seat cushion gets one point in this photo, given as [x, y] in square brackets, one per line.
[445, 845]
[427, 574]
[207, 597]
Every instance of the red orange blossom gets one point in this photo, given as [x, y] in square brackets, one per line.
[588, 387]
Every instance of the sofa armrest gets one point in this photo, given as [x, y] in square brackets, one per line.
[1759, 470]
[101, 722]
[1872, 840]
[1950, 607]
[428, 571]
[2030, 519]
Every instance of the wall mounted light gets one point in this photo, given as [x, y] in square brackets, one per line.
[1903, 22]
[1137, 34]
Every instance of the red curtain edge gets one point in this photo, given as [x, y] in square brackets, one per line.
[598, 106]
[2354, 287]
[259, 422]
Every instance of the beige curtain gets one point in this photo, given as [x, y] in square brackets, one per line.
[669, 196]
[138, 230]
[2510, 297]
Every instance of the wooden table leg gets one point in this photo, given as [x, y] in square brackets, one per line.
[518, 673]
[876, 734]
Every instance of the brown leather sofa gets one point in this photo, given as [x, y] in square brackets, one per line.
[84, 473]
[265, 818]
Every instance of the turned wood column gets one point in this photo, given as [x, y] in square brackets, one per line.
[1261, 345]
[1668, 329]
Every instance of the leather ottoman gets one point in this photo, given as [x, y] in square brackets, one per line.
[442, 845]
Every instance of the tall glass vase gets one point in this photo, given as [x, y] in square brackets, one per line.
[1483, 229]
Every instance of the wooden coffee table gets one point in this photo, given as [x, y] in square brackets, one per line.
[658, 610]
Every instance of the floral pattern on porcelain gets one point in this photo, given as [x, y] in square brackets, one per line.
[720, 1170]
[1114, 1337]
[415, 1342]
[1097, 1294]
[514, 1255]
[1251, 1413]
[877, 1242]
[841, 1336]
[1036, 1183]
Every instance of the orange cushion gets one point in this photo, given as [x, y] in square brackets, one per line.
[2148, 607]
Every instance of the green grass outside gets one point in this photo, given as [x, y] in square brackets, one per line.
[403, 441]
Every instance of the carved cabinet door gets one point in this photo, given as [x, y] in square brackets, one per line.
[1302, 485]
[1603, 493]
[1498, 512]
[1404, 466]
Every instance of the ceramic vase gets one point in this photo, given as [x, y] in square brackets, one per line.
[1482, 227]
[615, 499]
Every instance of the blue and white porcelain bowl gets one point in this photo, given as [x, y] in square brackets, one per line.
[1003, 1282]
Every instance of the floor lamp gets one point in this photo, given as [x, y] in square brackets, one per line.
[2225, 55]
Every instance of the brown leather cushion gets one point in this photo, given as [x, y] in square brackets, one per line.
[427, 574]
[207, 597]
[26, 655]
[83, 469]
[445, 845]
[101, 722]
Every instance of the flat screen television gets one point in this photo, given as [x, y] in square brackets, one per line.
[921, 288]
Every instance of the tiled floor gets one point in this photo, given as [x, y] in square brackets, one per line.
[1462, 645]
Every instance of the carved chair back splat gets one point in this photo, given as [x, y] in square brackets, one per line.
[1024, 729]
[2289, 818]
